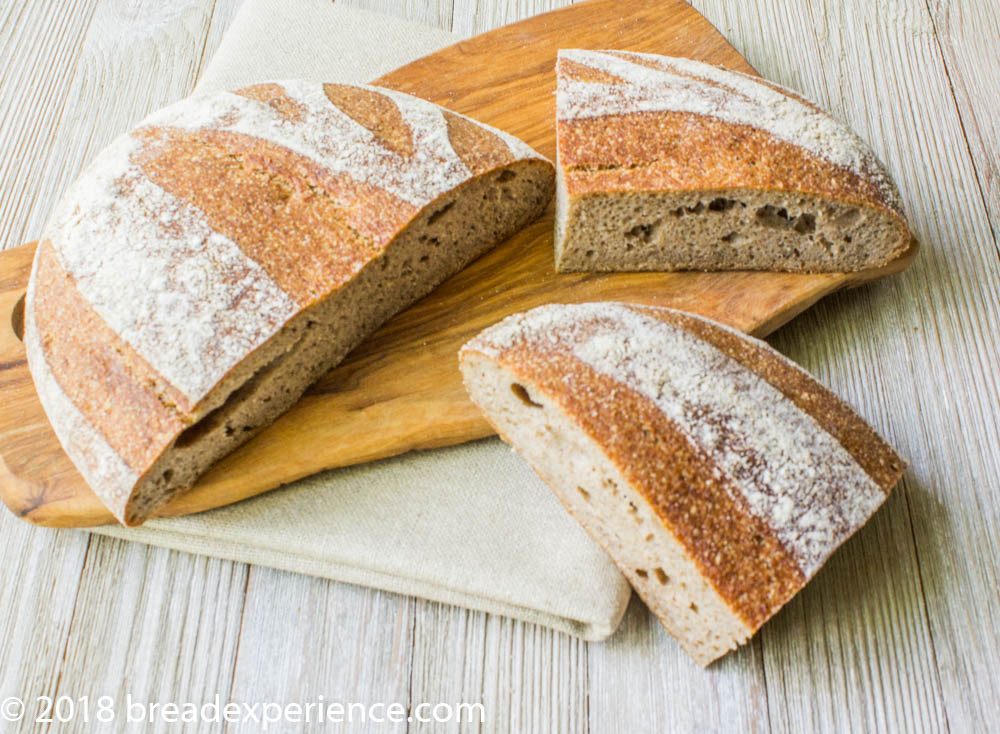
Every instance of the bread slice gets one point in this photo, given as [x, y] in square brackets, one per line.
[671, 164]
[717, 474]
[214, 262]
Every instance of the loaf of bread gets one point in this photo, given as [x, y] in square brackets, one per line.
[671, 164]
[216, 260]
[717, 474]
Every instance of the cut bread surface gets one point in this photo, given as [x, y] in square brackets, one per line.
[419, 258]
[735, 229]
[621, 520]
[670, 164]
[212, 264]
[718, 476]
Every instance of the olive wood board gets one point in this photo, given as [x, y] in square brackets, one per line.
[401, 389]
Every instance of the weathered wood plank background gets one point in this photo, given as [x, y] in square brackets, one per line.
[901, 630]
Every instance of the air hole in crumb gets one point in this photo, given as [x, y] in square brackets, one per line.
[17, 318]
[847, 239]
[506, 176]
[589, 253]
[778, 218]
[728, 238]
[641, 573]
[682, 210]
[642, 232]
[439, 213]
[168, 475]
[523, 396]
[693, 607]
[721, 204]
[771, 216]
[805, 223]
[583, 493]
[660, 575]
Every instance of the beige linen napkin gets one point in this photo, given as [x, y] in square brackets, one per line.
[469, 525]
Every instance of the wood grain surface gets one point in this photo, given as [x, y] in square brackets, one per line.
[401, 390]
[899, 631]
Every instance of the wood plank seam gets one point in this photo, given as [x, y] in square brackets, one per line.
[411, 657]
[204, 45]
[963, 125]
[928, 628]
[73, 615]
[13, 239]
[239, 635]
[758, 641]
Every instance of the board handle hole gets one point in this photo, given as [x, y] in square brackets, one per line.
[17, 318]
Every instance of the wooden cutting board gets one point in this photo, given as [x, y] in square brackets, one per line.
[401, 389]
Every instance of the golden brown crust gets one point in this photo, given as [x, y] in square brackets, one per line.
[834, 416]
[374, 212]
[680, 151]
[299, 237]
[275, 96]
[737, 552]
[376, 113]
[111, 385]
[479, 149]
[581, 72]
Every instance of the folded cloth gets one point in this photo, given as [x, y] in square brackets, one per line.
[468, 525]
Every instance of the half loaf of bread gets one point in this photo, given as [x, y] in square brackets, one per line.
[216, 260]
[671, 164]
[717, 474]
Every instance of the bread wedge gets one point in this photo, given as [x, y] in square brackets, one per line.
[718, 475]
[672, 164]
[212, 263]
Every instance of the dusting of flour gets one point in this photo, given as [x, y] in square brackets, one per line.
[653, 83]
[791, 473]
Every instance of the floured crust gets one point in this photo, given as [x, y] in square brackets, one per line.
[182, 262]
[631, 123]
[834, 416]
[754, 468]
[111, 383]
[690, 89]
